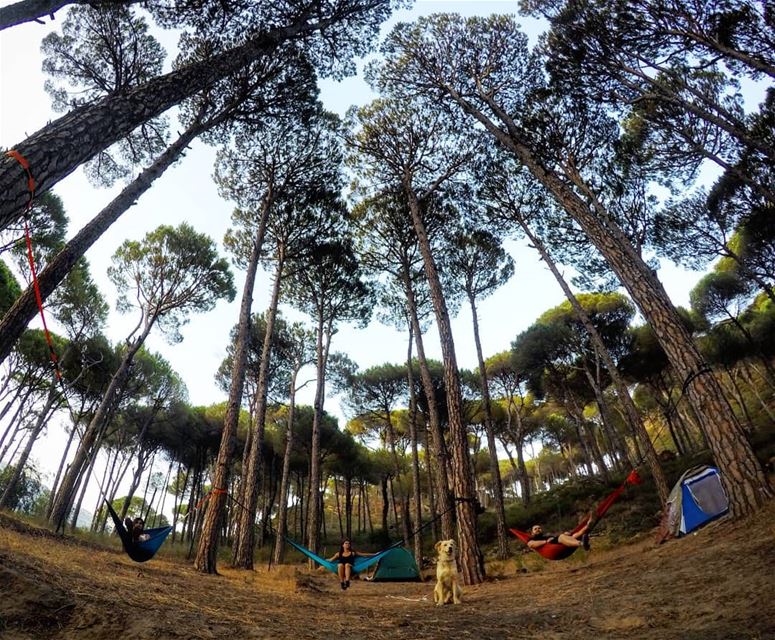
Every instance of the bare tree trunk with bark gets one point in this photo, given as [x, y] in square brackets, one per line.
[472, 568]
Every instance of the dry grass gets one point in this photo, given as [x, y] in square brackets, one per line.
[713, 585]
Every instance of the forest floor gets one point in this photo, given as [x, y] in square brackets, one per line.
[718, 583]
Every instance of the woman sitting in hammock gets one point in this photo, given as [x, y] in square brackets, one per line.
[567, 538]
[346, 557]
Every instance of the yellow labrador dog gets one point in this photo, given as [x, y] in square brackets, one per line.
[447, 588]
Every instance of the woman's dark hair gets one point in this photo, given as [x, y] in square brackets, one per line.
[341, 546]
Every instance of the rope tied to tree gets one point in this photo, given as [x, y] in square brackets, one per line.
[207, 496]
[31, 259]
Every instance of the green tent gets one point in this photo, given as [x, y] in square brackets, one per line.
[396, 565]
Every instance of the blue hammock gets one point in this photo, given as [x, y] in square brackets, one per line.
[139, 551]
[360, 564]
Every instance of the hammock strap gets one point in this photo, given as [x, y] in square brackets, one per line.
[31, 259]
[632, 478]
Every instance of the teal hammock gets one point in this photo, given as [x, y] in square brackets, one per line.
[139, 551]
[360, 564]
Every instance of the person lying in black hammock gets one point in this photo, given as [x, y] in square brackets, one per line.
[578, 538]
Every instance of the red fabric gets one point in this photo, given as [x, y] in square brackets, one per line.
[633, 478]
[51, 351]
[605, 505]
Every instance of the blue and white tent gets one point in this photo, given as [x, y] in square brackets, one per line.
[697, 498]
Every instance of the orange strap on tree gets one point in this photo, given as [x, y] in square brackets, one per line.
[36, 287]
[26, 166]
[207, 497]
[201, 502]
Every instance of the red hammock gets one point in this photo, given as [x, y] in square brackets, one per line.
[557, 551]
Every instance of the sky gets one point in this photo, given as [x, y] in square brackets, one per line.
[186, 192]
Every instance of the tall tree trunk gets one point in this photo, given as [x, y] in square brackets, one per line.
[393, 500]
[144, 500]
[367, 510]
[348, 507]
[397, 471]
[588, 446]
[322, 346]
[519, 444]
[524, 479]
[437, 435]
[436, 534]
[338, 500]
[206, 551]
[61, 466]
[472, 569]
[178, 500]
[298, 522]
[416, 488]
[245, 539]
[194, 501]
[142, 459]
[360, 522]
[320, 508]
[495, 472]
[269, 493]
[238, 488]
[282, 509]
[304, 507]
[164, 493]
[84, 483]
[385, 504]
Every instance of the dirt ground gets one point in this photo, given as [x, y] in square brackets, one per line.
[719, 583]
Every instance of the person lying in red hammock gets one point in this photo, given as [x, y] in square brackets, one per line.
[567, 538]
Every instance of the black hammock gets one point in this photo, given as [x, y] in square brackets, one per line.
[139, 551]
[557, 551]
